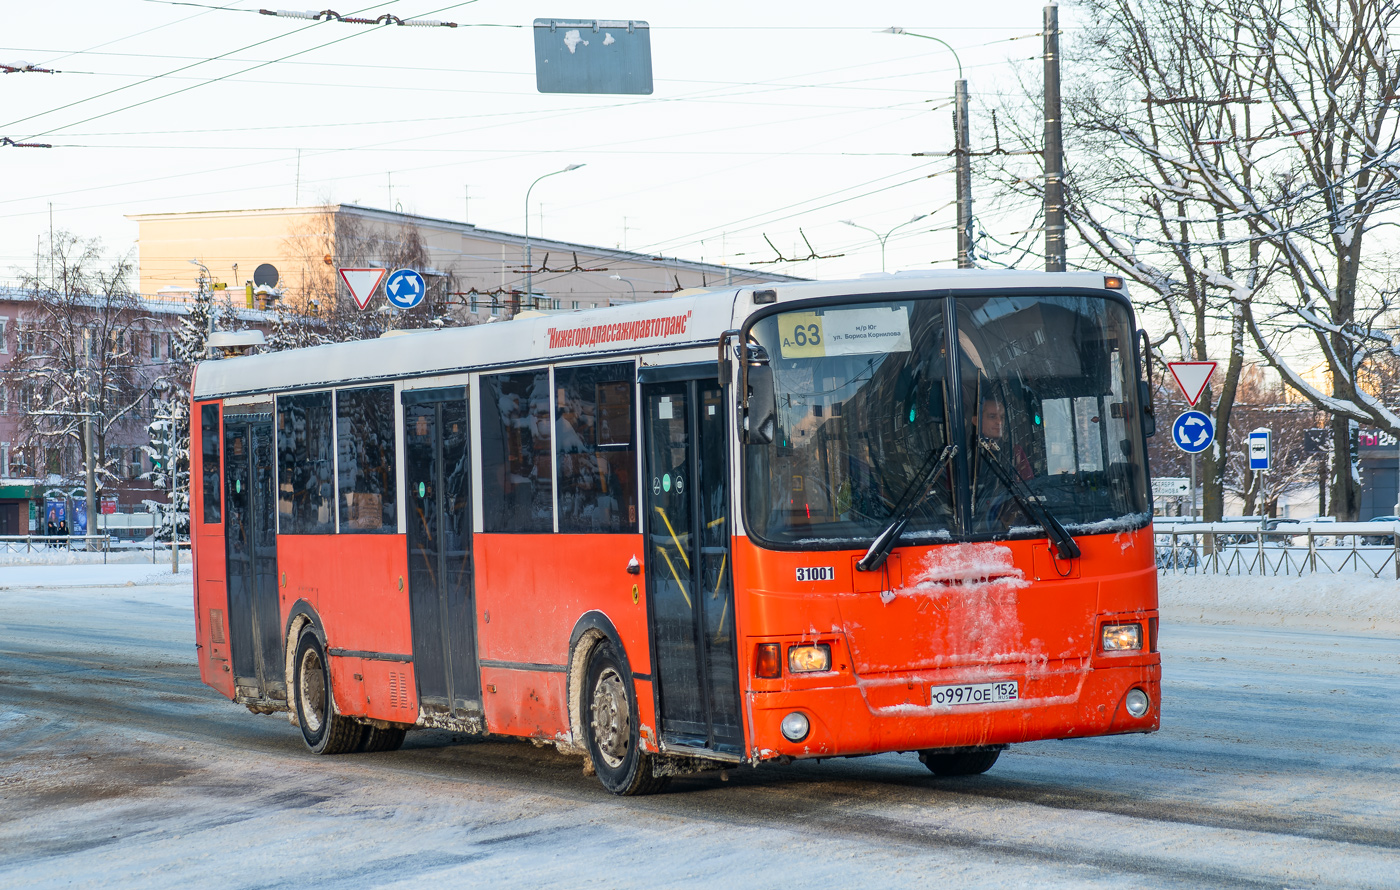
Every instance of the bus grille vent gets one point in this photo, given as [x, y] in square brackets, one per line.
[216, 625]
[398, 689]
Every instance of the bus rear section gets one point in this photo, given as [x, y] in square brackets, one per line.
[895, 516]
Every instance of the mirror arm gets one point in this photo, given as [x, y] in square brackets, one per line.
[724, 369]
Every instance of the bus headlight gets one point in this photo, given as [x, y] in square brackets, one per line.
[795, 726]
[1122, 637]
[809, 659]
[1137, 702]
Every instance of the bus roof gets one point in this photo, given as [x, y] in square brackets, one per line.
[654, 325]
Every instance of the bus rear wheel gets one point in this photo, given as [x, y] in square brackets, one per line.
[377, 739]
[610, 723]
[959, 762]
[324, 731]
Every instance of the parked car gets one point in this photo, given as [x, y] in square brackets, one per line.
[1387, 540]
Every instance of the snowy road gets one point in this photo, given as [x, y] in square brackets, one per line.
[1276, 767]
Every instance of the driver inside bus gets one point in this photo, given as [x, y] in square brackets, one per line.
[994, 509]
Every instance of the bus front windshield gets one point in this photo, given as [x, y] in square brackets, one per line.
[1037, 409]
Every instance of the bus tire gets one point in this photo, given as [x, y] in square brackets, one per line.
[377, 739]
[965, 762]
[610, 724]
[324, 731]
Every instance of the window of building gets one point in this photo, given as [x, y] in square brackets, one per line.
[517, 473]
[4, 334]
[155, 346]
[305, 477]
[593, 426]
[170, 347]
[4, 400]
[211, 465]
[364, 441]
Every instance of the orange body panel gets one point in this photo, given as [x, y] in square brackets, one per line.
[358, 584]
[536, 587]
[525, 703]
[208, 558]
[945, 615]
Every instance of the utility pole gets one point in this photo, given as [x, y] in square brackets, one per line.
[89, 461]
[964, 174]
[1054, 151]
[173, 471]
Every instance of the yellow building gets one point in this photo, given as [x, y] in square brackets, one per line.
[477, 270]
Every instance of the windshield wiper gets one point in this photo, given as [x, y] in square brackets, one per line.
[884, 542]
[1065, 545]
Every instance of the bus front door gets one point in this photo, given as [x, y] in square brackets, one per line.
[255, 620]
[437, 471]
[690, 592]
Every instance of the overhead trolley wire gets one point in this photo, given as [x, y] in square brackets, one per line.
[204, 83]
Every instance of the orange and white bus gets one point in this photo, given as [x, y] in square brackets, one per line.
[897, 514]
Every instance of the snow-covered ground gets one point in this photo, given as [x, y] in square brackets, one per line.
[1275, 767]
[1322, 602]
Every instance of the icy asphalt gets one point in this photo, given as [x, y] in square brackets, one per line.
[1276, 767]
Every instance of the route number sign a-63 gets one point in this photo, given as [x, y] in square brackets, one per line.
[869, 330]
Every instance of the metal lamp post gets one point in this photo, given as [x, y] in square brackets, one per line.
[629, 284]
[882, 238]
[529, 265]
[962, 151]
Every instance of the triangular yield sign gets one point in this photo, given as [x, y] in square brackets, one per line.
[363, 283]
[1192, 377]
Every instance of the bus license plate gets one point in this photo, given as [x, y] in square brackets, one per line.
[975, 693]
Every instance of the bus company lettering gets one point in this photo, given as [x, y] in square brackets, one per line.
[621, 332]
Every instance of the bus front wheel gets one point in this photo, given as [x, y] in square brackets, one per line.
[610, 723]
[959, 762]
[325, 731]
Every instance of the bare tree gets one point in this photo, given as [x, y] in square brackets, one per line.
[317, 308]
[1230, 157]
[78, 356]
[1262, 405]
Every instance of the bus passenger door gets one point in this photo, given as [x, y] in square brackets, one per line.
[689, 583]
[437, 472]
[254, 619]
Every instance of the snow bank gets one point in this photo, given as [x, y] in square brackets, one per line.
[13, 577]
[1328, 602]
[62, 557]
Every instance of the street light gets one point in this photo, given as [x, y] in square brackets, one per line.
[883, 238]
[962, 151]
[529, 266]
[629, 284]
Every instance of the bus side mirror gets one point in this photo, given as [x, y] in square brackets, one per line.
[761, 404]
[1149, 419]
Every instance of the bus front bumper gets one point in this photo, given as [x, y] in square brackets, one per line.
[895, 713]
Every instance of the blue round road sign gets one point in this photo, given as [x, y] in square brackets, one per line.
[405, 289]
[1193, 432]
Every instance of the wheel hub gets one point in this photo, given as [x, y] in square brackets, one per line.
[612, 718]
[313, 691]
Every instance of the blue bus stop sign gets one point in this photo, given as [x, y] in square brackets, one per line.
[1193, 432]
[405, 289]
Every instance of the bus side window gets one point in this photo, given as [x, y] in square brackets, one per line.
[305, 489]
[593, 431]
[210, 464]
[516, 461]
[364, 439]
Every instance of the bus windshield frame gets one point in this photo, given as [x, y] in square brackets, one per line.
[1042, 381]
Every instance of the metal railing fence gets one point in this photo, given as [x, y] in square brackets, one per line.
[1275, 547]
[105, 544]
